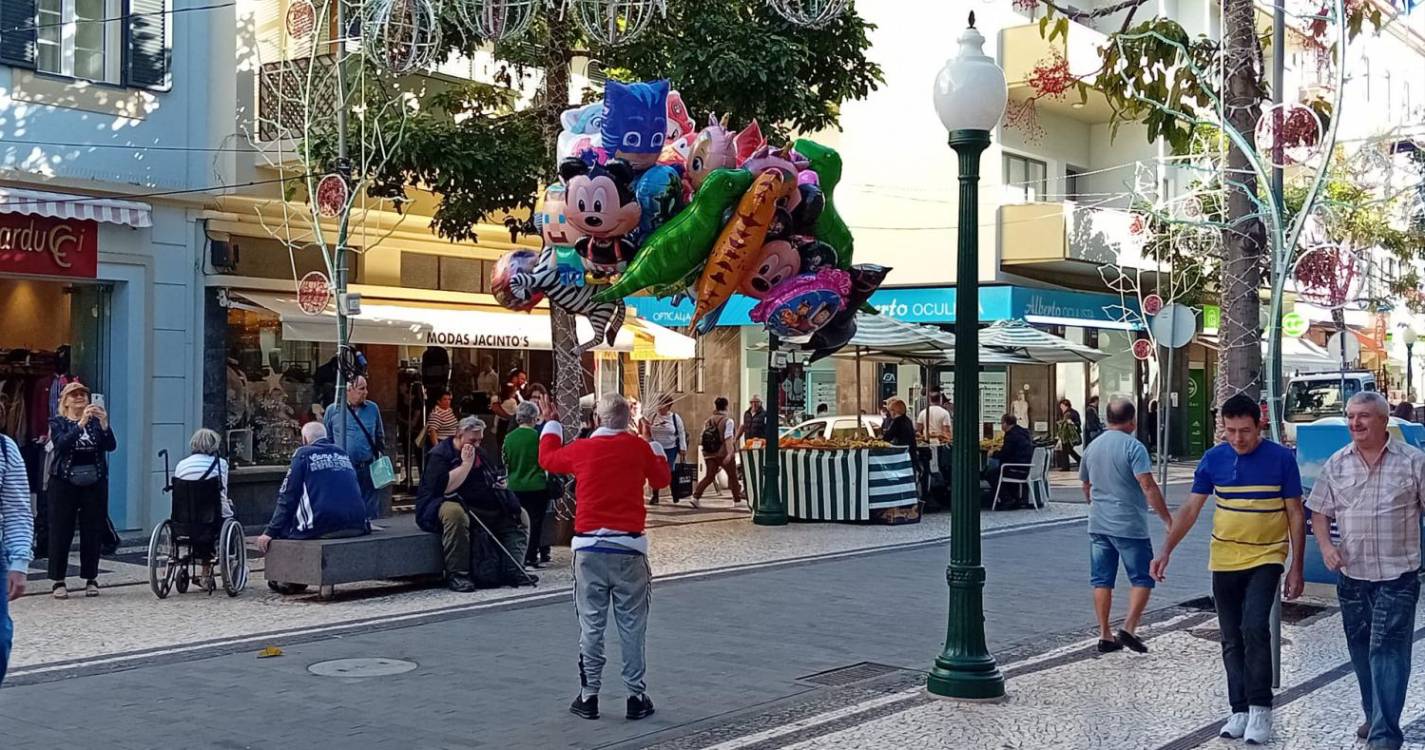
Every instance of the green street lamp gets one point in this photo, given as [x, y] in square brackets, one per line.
[771, 507]
[970, 97]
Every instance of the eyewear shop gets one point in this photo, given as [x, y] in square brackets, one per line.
[280, 373]
[1082, 317]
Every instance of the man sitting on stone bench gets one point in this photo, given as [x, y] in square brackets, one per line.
[320, 497]
[459, 480]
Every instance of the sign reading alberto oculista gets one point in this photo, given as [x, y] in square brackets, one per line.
[51, 247]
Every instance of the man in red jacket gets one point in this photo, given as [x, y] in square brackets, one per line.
[610, 468]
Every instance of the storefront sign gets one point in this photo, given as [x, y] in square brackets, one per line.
[52, 247]
[477, 340]
[1211, 319]
[1294, 324]
[314, 293]
[1197, 411]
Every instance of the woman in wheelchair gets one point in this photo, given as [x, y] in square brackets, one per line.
[202, 465]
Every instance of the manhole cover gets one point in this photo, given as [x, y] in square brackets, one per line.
[377, 667]
[847, 675]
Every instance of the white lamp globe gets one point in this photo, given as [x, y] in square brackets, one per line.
[1409, 336]
[970, 92]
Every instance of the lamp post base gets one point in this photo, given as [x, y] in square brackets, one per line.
[971, 679]
[769, 518]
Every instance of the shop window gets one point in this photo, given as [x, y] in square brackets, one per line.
[273, 387]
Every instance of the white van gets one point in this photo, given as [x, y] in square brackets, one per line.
[1317, 395]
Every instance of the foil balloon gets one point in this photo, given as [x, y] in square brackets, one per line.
[509, 264]
[779, 262]
[659, 192]
[740, 243]
[635, 123]
[582, 126]
[834, 335]
[816, 255]
[601, 204]
[712, 149]
[866, 278]
[674, 251]
[808, 177]
[803, 305]
[807, 211]
[680, 123]
[830, 227]
[552, 219]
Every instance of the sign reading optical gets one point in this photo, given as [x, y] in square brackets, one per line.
[50, 247]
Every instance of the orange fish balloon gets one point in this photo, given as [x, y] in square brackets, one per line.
[739, 246]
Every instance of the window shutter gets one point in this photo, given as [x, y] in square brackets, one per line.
[146, 47]
[17, 33]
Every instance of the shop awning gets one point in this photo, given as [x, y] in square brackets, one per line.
[1298, 355]
[881, 338]
[1020, 338]
[67, 206]
[410, 325]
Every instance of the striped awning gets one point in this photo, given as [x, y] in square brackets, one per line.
[1018, 337]
[68, 206]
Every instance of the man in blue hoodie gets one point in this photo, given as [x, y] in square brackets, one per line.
[320, 498]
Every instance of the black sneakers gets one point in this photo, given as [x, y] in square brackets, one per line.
[459, 583]
[639, 707]
[585, 708]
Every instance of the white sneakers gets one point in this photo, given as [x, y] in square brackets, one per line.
[1259, 725]
[1255, 726]
[1235, 726]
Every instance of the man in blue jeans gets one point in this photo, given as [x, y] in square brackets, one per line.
[1119, 488]
[1374, 490]
[17, 528]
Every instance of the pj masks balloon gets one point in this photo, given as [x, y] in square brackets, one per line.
[803, 305]
[635, 121]
[602, 206]
[509, 264]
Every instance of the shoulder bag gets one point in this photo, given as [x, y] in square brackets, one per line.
[383, 473]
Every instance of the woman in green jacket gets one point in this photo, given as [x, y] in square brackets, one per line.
[526, 479]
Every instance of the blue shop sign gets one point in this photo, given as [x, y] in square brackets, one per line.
[922, 305]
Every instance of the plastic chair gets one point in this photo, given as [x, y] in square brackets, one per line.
[1035, 479]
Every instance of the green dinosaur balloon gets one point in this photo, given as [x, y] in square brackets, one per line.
[830, 228]
[682, 243]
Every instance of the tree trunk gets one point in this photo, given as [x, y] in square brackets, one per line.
[568, 370]
[1244, 240]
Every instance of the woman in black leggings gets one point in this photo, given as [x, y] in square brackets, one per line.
[78, 486]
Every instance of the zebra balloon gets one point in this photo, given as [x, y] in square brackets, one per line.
[605, 317]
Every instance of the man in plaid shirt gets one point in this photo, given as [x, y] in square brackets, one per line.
[17, 531]
[1374, 489]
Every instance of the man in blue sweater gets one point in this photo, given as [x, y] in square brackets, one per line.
[355, 427]
[320, 498]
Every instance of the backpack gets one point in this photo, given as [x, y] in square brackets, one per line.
[712, 436]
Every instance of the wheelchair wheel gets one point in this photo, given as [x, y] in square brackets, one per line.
[182, 583]
[233, 557]
[163, 562]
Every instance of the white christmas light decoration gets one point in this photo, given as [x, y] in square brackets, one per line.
[810, 13]
[497, 20]
[614, 22]
[401, 36]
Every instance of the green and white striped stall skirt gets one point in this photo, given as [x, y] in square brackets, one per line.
[837, 485]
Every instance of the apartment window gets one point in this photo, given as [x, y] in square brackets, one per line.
[78, 38]
[1073, 183]
[1024, 179]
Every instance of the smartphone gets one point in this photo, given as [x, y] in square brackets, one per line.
[97, 400]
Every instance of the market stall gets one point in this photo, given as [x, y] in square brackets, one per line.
[862, 481]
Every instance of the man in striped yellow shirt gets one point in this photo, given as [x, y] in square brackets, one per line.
[1258, 517]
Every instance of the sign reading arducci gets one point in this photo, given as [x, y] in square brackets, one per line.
[52, 247]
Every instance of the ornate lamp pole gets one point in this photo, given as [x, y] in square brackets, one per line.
[970, 97]
[1409, 336]
[771, 507]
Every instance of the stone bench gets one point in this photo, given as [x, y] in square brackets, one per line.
[399, 550]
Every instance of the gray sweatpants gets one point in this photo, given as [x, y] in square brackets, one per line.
[602, 579]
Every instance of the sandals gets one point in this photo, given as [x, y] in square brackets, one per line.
[91, 588]
[59, 591]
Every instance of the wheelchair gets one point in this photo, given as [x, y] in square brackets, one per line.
[180, 545]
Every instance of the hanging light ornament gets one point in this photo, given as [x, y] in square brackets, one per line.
[614, 22]
[497, 20]
[401, 36]
[812, 14]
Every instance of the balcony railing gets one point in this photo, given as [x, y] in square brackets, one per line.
[293, 93]
[1067, 237]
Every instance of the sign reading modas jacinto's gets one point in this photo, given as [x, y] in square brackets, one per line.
[477, 340]
[52, 247]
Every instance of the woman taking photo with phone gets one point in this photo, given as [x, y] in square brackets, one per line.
[78, 486]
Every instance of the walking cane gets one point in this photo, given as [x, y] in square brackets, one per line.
[528, 579]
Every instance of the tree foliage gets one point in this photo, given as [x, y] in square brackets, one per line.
[483, 156]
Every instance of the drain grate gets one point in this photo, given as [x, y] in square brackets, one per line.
[854, 673]
[1293, 613]
[378, 667]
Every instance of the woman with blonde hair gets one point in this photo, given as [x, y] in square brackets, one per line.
[204, 462]
[78, 486]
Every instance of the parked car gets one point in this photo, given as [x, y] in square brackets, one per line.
[837, 426]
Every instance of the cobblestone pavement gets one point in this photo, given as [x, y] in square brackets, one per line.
[726, 646]
[52, 635]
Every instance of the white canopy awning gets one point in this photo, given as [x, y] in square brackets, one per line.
[67, 206]
[881, 338]
[410, 325]
[1020, 338]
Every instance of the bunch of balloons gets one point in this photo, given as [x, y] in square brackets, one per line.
[649, 204]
